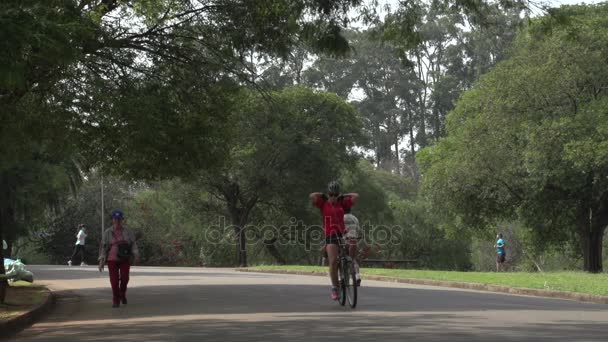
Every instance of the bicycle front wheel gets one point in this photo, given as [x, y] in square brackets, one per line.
[343, 274]
[351, 285]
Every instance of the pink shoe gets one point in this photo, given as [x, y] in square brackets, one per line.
[334, 293]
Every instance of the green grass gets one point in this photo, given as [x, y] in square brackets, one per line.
[21, 283]
[20, 297]
[596, 284]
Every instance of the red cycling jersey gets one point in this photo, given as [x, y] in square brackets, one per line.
[333, 214]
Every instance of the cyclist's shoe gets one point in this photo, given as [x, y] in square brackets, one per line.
[334, 293]
[359, 282]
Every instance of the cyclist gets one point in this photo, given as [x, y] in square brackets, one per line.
[332, 208]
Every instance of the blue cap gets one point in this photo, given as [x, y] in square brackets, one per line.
[117, 214]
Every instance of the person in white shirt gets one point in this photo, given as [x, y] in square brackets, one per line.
[353, 235]
[6, 253]
[79, 248]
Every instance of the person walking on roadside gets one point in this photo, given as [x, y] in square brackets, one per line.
[79, 248]
[353, 235]
[501, 254]
[119, 250]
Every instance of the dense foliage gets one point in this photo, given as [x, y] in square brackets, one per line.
[211, 121]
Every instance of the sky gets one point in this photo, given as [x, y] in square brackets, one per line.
[571, 2]
[535, 11]
[552, 3]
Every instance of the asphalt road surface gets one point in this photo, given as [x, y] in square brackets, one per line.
[194, 304]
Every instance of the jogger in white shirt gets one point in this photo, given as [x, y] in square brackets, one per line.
[79, 248]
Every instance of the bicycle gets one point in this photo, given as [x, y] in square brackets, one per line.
[347, 276]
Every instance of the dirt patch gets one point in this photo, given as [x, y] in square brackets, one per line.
[20, 299]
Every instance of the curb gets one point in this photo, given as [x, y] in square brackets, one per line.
[581, 297]
[18, 323]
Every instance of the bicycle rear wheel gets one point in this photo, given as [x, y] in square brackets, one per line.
[351, 285]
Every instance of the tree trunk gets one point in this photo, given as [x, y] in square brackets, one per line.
[240, 239]
[274, 252]
[239, 222]
[7, 221]
[242, 245]
[592, 224]
[411, 131]
[592, 250]
[437, 130]
[591, 230]
[398, 166]
[378, 147]
[3, 283]
[238, 217]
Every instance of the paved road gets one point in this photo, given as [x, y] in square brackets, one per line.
[189, 304]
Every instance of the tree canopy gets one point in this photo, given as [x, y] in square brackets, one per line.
[527, 142]
[240, 108]
[136, 87]
[295, 142]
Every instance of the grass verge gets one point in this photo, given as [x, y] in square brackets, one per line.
[21, 297]
[580, 282]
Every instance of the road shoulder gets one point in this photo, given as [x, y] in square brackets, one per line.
[31, 314]
[581, 297]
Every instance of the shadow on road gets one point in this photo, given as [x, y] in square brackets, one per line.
[238, 299]
[254, 308]
[339, 325]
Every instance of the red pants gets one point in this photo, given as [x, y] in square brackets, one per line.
[119, 272]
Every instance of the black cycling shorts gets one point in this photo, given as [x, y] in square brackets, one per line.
[333, 239]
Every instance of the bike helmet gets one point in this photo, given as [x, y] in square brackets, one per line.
[333, 187]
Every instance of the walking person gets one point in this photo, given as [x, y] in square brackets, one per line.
[79, 248]
[119, 250]
[501, 253]
[353, 235]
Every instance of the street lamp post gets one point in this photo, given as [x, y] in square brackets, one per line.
[102, 208]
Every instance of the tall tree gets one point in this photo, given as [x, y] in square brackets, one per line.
[406, 72]
[381, 88]
[450, 47]
[283, 148]
[387, 86]
[528, 142]
[72, 73]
